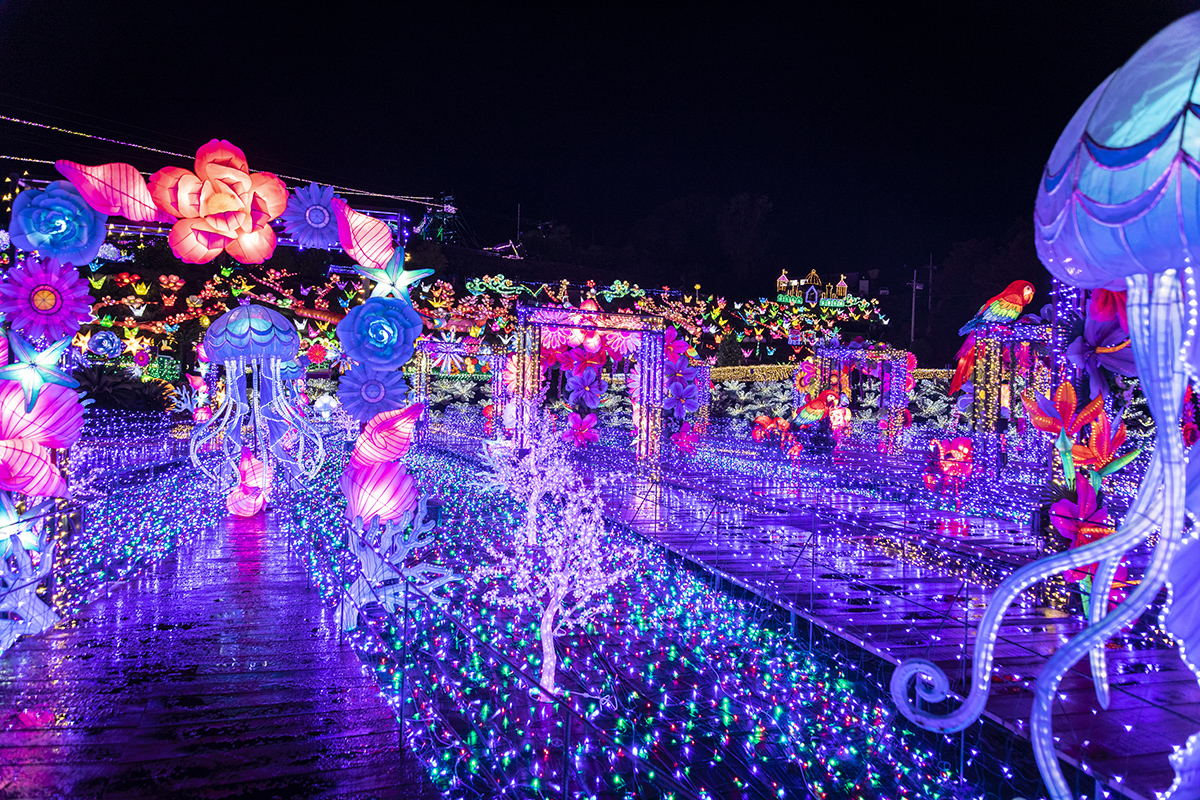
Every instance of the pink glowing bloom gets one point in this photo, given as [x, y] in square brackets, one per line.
[580, 430]
[1082, 521]
[554, 338]
[141, 358]
[382, 490]
[674, 345]
[56, 419]
[511, 376]
[45, 299]
[623, 343]
[590, 340]
[198, 384]
[686, 439]
[386, 437]
[582, 359]
[222, 206]
[634, 383]
[26, 467]
[171, 283]
[317, 353]
[1109, 306]
[202, 414]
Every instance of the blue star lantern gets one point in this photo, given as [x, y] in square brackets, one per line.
[35, 369]
[392, 278]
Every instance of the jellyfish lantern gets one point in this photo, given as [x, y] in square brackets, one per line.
[260, 410]
[1118, 207]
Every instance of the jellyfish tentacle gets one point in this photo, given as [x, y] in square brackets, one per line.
[984, 652]
[1097, 609]
[1156, 321]
[1106, 574]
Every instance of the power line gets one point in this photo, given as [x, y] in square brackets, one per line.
[424, 201]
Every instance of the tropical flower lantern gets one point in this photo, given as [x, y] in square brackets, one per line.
[254, 343]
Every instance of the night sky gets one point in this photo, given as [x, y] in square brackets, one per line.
[882, 133]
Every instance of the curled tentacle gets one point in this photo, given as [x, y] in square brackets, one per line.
[1156, 322]
[1137, 528]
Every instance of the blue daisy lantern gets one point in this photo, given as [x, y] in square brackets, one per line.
[258, 347]
[309, 217]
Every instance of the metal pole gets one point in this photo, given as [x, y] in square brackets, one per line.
[912, 328]
[930, 287]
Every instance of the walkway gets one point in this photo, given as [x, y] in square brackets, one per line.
[905, 582]
[216, 673]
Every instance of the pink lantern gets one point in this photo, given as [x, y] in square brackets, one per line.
[114, 189]
[382, 490]
[365, 239]
[25, 467]
[386, 437]
[250, 495]
[55, 421]
[244, 504]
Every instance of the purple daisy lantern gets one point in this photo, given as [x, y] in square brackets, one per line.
[45, 299]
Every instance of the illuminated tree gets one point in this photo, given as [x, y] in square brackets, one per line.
[541, 473]
[562, 563]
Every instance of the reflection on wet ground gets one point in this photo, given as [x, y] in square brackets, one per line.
[215, 673]
[904, 581]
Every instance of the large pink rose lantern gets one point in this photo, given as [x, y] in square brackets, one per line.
[221, 206]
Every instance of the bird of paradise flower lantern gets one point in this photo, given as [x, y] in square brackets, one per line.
[253, 343]
[1117, 208]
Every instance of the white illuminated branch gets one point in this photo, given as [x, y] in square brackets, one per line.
[561, 562]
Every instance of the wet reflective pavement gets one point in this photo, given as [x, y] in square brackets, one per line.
[215, 673]
[906, 582]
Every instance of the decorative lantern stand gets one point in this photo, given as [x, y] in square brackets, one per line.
[647, 412]
[833, 364]
[999, 387]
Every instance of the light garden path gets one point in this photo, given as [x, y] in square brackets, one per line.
[215, 673]
[892, 579]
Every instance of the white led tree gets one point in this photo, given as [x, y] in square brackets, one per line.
[562, 562]
[535, 477]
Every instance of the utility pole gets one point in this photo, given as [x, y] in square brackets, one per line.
[519, 223]
[912, 327]
[931, 269]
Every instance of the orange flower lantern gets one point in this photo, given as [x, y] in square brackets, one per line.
[222, 206]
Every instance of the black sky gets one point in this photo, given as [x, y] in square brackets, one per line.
[881, 132]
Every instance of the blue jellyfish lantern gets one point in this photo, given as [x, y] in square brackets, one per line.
[261, 408]
[1118, 208]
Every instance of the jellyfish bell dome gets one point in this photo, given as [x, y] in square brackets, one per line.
[1120, 194]
[251, 331]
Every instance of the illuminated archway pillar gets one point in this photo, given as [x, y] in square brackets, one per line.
[529, 375]
[647, 415]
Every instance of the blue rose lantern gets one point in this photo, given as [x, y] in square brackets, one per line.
[380, 333]
[57, 223]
